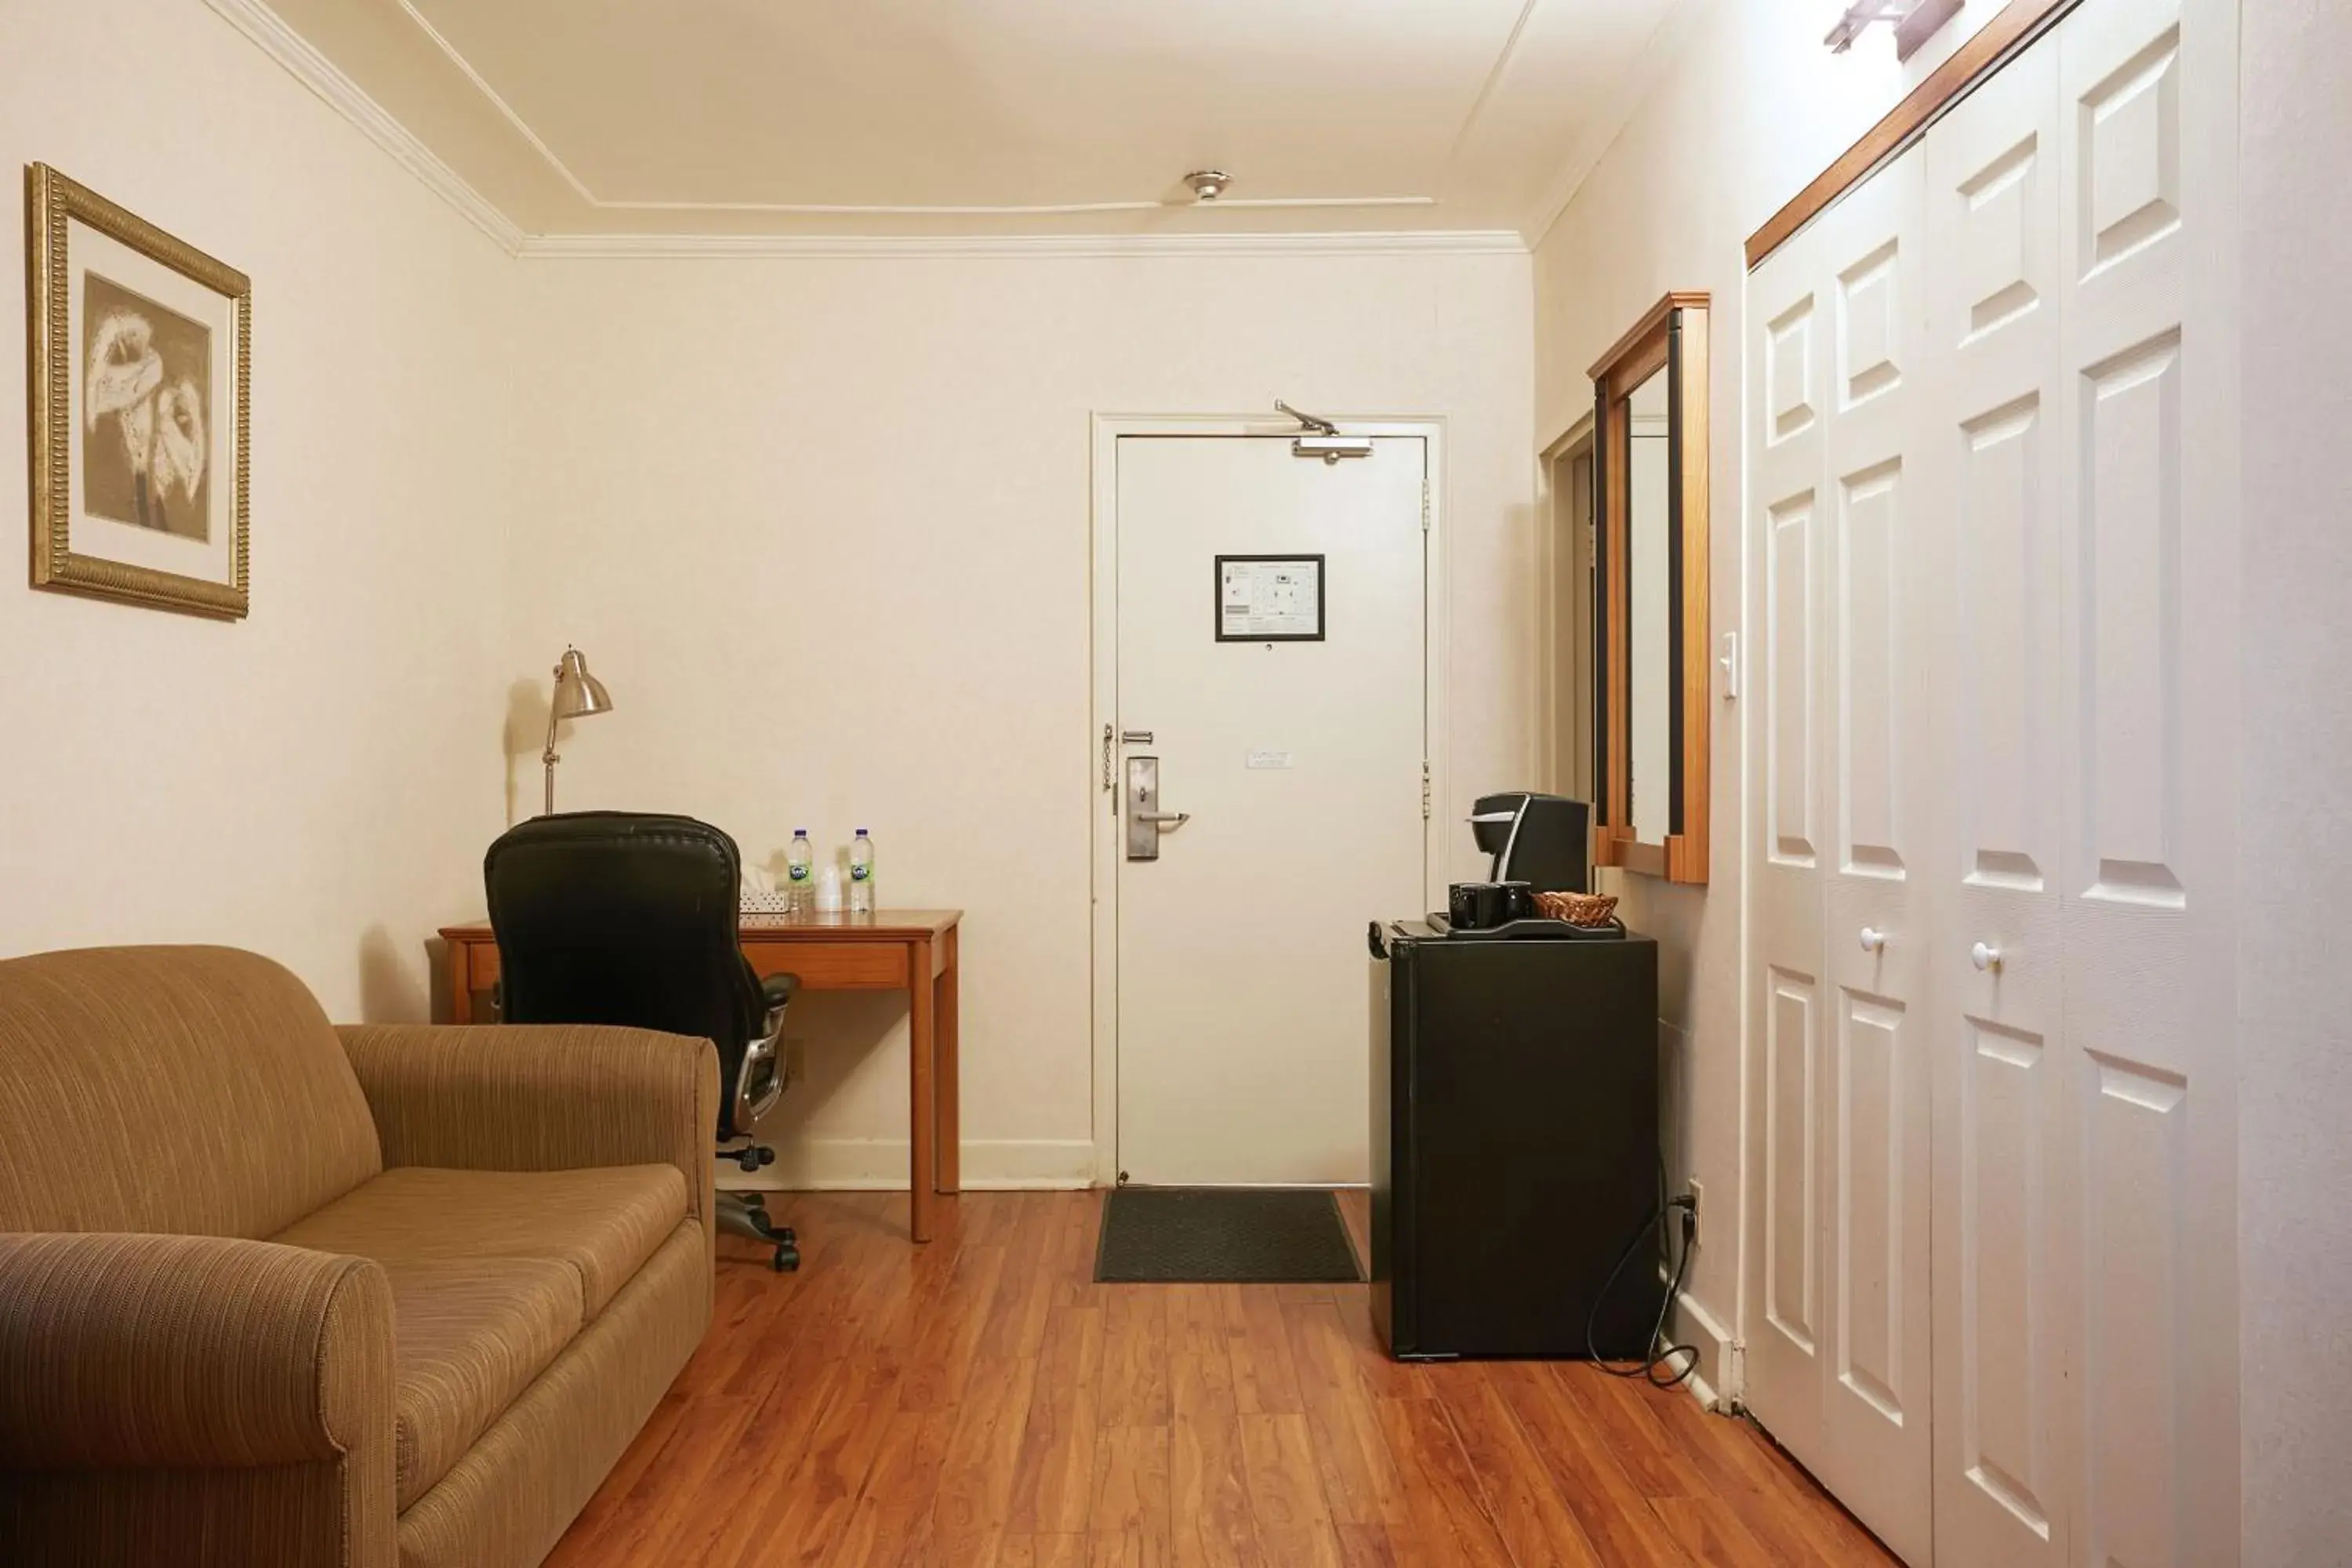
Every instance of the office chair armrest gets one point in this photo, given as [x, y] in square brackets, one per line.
[160, 1390]
[541, 1097]
[776, 993]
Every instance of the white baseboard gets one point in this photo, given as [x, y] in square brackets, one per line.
[879, 1165]
[1694, 1325]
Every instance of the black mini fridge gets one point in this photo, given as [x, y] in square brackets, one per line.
[1515, 1143]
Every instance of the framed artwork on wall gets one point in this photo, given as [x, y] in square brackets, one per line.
[140, 382]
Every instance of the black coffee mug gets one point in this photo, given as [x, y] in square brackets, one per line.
[1518, 901]
[1474, 906]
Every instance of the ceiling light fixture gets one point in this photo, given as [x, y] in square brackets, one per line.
[1208, 185]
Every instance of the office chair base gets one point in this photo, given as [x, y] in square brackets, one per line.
[746, 1214]
[757, 1202]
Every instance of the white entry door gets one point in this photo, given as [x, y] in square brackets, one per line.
[1297, 763]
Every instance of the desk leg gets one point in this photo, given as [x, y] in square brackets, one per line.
[461, 981]
[951, 1084]
[922, 1118]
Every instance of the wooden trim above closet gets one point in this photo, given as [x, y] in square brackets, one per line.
[2018, 23]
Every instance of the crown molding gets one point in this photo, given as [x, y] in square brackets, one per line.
[269, 32]
[725, 246]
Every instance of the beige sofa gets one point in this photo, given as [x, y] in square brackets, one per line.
[273, 1292]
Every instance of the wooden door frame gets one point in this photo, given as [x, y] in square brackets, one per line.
[1104, 833]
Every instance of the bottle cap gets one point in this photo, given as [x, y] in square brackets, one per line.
[861, 833]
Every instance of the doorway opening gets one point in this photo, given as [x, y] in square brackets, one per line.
[1567, 555]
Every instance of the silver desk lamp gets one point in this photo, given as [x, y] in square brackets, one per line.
[577, 695]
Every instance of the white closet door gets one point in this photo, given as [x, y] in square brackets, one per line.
[2148, 122]
[1838, 1367]
[2081, 348]
[1877, 698]
[1787, 368]
[1992, 473]
[2002, 1178]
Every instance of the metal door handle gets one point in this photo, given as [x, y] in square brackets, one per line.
[1873, 940]
[1985, 957]
[1145, 821]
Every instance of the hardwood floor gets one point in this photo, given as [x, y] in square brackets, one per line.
[980, 1401]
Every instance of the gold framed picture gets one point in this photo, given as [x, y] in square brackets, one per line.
[142, 350]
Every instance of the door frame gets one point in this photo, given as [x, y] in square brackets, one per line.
[1555, 505]
[1103, 834]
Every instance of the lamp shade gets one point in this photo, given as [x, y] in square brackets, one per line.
[577, 692]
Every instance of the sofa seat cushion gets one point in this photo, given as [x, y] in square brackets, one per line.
[603, 1223]
[469, 1334]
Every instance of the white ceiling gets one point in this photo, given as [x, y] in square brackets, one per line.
[999, 117]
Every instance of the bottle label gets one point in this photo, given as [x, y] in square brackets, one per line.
[861, 873]
[798, 873]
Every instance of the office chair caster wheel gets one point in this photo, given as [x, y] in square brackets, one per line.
[787, 1259]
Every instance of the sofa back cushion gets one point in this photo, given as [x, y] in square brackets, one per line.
[191, 1089]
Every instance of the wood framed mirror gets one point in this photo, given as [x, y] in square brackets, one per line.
[1651, 640]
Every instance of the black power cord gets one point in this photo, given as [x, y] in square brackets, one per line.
[1659, 1353]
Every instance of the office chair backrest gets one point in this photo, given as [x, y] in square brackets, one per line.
[611, 916]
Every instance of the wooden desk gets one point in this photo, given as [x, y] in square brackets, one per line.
[912, 951]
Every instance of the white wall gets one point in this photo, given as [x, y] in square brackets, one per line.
[2294, 1138]
[822, 527]
[1744, 107]
[314, 782]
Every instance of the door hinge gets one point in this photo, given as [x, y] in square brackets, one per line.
[1424, 506]
[1107, 778]
[1424, 791]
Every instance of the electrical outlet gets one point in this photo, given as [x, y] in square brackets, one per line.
[1698, 1205]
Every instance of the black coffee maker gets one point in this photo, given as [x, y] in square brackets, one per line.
[1539, 839]
[1537, 842]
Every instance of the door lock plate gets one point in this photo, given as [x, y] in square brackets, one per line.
[1145, 821]
[1142, 809]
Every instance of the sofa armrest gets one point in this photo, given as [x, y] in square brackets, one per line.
[193, 1398]
[133, 1351]
[541, 1097]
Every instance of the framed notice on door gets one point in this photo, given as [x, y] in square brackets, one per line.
[1270, 598]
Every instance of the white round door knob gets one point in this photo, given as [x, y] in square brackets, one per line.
[1985, 957]
[1873, 940]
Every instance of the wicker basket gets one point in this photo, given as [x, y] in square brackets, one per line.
[1578, 908]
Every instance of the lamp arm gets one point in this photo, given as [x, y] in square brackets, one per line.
[549, 758]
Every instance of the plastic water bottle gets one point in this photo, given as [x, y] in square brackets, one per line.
[800, 863]
[861, 875]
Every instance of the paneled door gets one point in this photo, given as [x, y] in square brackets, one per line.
[2002, 1184]
[2085, 1134]
[2147, 233]
[1993, 544]
[1839, 1367]
[1788, 377]
[1881, 689]
[1290, 767]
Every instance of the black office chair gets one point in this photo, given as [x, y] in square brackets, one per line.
[612, 917]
